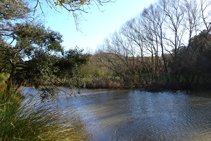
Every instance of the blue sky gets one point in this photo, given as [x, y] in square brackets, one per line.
[96, 25]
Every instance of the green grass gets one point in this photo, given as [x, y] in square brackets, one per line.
[20, 121]
[3, 77]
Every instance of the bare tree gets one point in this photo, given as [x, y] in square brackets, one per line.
[175, 14]
[165, 31]
[153, 27]
[133, 32]
[205, 6]
[192, 17]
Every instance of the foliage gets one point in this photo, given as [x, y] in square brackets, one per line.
[71, 62]
[12, 9]
[70, 67]
[38, 57]
[200, 46]
[193, 62]
[21, 120]
[33, 54]
[29, 52]
[11, 12]
[94, 68]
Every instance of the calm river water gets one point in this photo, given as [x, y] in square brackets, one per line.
[126, 115]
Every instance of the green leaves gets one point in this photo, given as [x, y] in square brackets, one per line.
[12, 9]
[32, 56]
[71, 62]
[41, 67]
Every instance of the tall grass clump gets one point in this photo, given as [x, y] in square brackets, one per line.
[27, 121]
[3, 77]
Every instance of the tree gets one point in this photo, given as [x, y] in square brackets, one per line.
[32, 54]
[70, 66]
[36, 57]
[199, 51]
[12, 9]
[192, 17]
[164, 30]
[11, 12]
[29, 52]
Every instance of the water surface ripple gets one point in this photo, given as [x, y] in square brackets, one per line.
[104, 115]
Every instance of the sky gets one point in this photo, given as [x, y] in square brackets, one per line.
[96, 25]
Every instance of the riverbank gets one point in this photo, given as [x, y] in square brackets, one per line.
[110, 83]
[150, 85]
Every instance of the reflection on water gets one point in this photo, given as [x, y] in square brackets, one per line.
[105, 115]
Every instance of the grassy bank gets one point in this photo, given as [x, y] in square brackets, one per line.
[27, 121]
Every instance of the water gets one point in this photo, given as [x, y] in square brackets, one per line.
[103, 115]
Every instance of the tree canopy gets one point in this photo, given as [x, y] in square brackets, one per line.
[33, 51]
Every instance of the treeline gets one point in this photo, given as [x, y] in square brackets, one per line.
[167, 45]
